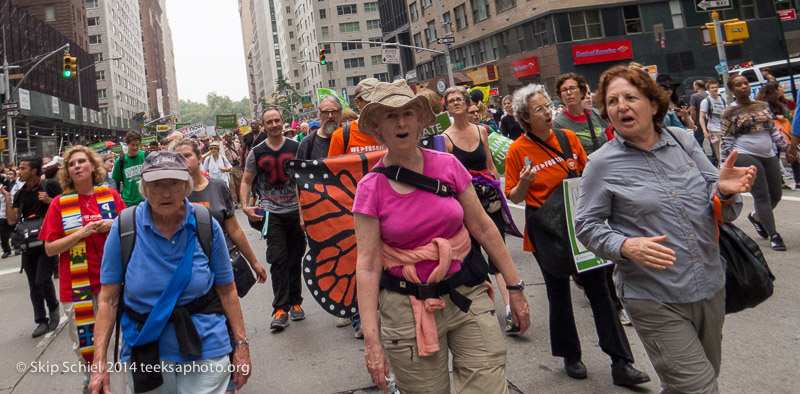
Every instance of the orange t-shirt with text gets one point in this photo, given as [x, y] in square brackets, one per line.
[359, 142]
[549, 173]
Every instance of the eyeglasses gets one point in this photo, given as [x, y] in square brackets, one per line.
[171, 186]
[474, 112]
[214, 148]
[329, 112]
[569, 89]
[543, 109]
[459, 100]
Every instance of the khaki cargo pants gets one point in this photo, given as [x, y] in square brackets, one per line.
[474, 339]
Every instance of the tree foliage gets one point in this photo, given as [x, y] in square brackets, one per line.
[206, 113]
[286, 97]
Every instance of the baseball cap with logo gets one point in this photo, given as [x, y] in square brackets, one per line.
[165, 165]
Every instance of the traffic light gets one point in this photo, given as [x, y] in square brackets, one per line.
[4, 144]
[70, 65]
[322, 57]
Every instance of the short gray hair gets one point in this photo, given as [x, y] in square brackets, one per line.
[520, 102]
[189, 189]
[331, 99]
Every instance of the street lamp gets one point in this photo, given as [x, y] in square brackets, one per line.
[78, 74]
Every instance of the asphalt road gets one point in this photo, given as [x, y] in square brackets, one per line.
[760, 346]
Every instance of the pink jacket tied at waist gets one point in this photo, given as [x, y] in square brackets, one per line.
[443, 250]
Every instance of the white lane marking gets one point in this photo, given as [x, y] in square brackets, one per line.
[787, 198]
[9, 271]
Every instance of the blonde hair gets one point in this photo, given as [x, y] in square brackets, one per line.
[98, 173]
[348, 115]
[433, 99]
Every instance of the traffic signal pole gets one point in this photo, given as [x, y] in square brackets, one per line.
[721, 52]
[446, 45]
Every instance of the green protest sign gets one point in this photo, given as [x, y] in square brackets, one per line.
[98, 146]
[179, 126]
[226, 122]
[498, 145]
[585, 260]
[328, 92]
[116, 149]
[442, 123]
[148, 140]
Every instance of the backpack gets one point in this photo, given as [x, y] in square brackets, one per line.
[711, 107]
[127, 241]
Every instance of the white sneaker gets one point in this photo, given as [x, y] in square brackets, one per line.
[342, 321]
[624, 318]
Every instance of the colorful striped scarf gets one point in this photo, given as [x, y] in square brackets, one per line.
[78, 263]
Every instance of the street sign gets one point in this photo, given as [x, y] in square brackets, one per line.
[458, 66]
[390, 55]
[13, 113]
[722, 67]
[446, 40]
[162, 127]
[712, 5]
[787, 15]
[10, 105]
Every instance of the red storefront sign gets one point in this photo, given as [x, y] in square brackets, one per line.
[525, 67]
[603, 52]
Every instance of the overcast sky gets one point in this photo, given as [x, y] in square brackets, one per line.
[207, 39]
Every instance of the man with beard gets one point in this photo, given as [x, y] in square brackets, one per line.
[318, 142]
[254, 137]
[286, 242]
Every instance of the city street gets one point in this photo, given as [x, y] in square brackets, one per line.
[760, 346]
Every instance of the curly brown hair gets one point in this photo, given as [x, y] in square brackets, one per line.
[642, 81]
[579, 79]
[98, 172]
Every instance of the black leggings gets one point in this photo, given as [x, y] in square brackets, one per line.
[766, 189]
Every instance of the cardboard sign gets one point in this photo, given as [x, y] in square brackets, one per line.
[585, 260]
[226, 121]
[193, 130]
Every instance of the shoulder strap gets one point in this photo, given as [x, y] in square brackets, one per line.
[346, 136]
[413, 178]
[311, 139]
[127, 235]
[566, 148]
[205, 230]
[595, 143]
[674, 137]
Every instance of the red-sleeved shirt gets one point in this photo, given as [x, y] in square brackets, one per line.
[53, 229]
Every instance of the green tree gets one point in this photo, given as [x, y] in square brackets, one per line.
[206, 113]
[286, 97]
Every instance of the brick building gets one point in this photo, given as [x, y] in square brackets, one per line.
[68, 17]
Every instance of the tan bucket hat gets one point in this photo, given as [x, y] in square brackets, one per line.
[365, 88]
[390, 96]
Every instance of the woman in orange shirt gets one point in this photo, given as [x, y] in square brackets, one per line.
[535, 167]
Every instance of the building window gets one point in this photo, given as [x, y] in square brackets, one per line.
[480, 10]
[332, 83]
[100, 75]
[347, 9]
[585, 25]
[291, 34]
[371, 7]
[329, 67]
[351, 46]
[293, 48]
[101, 93]
[93, 21]
[288, 9]
[49, 12]
[323, 14]
[374, 39]
[425, 3]
[290, 21]
[324, 31]
[418, 40]
[502, 5]
[413, 12]
[296, 73]
[97, 57]
[327, 48]
[461, 16]
[354, 62]
[92, 3]
[376, 60]
[742, 9]
[383, 77]
[680, 61]
[95, 39]
[374, 24]
[353, 81]
[297, 86]
[430, 32]
[633, 20]
[349, 27]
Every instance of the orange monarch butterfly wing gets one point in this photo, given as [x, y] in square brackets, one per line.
[327, 189]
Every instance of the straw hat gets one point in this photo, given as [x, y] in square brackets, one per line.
[390, 96]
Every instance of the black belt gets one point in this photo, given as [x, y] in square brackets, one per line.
[433, 290]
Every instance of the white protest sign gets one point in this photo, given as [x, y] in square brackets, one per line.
[193, 130]
[585, 260]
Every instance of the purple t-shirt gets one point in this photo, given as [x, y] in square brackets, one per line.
[411, 220]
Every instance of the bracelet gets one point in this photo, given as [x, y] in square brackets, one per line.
[242, 342]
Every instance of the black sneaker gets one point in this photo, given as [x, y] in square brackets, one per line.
[624, 374]
[511, 328]
[40, 330]
[296, 313]
[280, 320]
[759, 228]
[777, 242]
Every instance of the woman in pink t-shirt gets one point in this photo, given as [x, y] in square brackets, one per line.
[406, 236]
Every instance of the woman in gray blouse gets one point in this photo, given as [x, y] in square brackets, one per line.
[647, 203]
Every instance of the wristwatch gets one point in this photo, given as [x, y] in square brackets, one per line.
[520, 286]
[242, 342]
